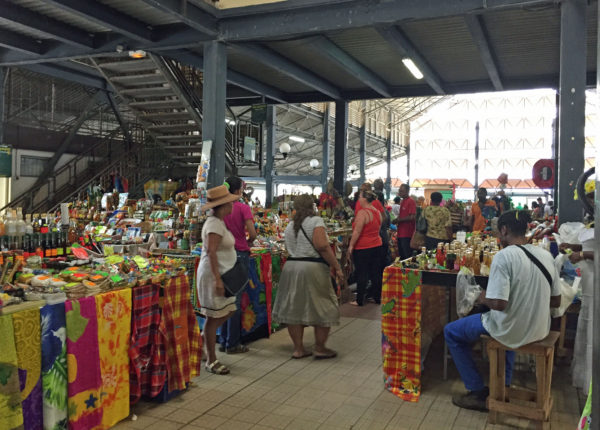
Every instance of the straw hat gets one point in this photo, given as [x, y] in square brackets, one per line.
[218, 196]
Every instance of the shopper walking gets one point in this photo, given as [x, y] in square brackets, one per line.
[405, 221]
[365, 248]
[239, 222]
[305, 296]
[218, 256]
[439, 222]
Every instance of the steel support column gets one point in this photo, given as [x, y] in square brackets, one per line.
[388, 157]
[3, 79]
[271, 136]
[476, 157]
[120, 119]
[362, 146]
[596, 308]
[341, 145]
[571, 116]
[214, 105]
[326, 139]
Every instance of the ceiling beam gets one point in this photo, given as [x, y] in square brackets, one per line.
[278, 62]
[334, 17]
[481, 39]
[398, 40]
[326, 47]
[168, 38]
[48, 26]
[235, 78]
[106, 16]
[19, 42]
[187, 13]
[69, 73]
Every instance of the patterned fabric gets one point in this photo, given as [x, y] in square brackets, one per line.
[83, 364]
[586, 416]
[183, 340]
[266, 270]
[114, 331]
[26, 325]
[54, 366]
[438, 218]
[147, 366]
[253, 302]
[11, 413]
[401, 332]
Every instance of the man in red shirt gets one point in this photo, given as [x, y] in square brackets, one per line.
[405, 222]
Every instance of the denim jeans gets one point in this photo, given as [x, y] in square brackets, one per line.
[231, 330]
[460, 336]
[404, 248]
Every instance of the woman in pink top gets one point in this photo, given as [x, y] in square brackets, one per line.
[238, 222]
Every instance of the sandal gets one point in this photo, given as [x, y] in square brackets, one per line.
[325, 355]
[217, 368]
[305, 354]
[239, 349]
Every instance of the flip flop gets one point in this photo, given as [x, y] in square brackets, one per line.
[239, 349]
[306, 354]
[330, 354]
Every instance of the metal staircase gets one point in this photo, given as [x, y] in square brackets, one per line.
[162, 99]
[138, 162]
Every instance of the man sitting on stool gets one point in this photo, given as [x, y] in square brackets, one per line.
[519, 296]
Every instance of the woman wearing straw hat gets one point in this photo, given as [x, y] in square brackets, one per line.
[218, 256]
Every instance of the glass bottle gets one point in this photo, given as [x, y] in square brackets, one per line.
[476, 263]
[1, 226]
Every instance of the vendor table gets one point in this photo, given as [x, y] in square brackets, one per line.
[79, 364]
[406, 313]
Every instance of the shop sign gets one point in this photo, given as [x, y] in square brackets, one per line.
[543, 173]
[259, 113]
[5, 161]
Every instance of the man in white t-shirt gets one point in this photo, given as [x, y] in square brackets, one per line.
[519, 296]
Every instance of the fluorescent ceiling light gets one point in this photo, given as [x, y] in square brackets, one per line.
[229, 121]
[410, 65]
[297, 139]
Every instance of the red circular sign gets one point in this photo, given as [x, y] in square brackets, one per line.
[543, 173]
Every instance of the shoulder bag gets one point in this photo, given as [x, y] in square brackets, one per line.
[235, 279]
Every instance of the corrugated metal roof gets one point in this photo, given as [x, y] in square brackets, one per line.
[369, 49]
[141, 11]
[516, 35]
[300, 52]
[68, 18]
[592, 42]
[448, 47]
[25, 31]
[262, 73]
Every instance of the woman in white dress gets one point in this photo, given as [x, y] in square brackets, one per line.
[218, 256]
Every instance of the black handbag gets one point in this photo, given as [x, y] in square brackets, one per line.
[235, 279]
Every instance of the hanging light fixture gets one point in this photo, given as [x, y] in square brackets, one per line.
[137, 54]
[285, 149]
[314, 163]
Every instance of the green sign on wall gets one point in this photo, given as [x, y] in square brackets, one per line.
[5, 161]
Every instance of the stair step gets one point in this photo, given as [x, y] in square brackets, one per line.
[148, 105]
[172, 128]
[148, 92]
[165, 116]
[129, 66]
[181, 138]
[137, 80]
[190, 148]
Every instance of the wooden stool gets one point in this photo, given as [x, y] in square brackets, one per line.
[534, 404]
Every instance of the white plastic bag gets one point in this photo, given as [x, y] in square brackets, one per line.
[568, 232]
[567, 291]
[467, 292]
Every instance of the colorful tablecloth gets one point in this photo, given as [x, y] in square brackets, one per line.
[255, 318]
[148, 358]
[401, 332]
[114, 330]
[184, 344]
[54, 366]
[11, 412]
[83, 364]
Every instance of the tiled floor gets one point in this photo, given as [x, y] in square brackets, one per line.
[268, 390]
